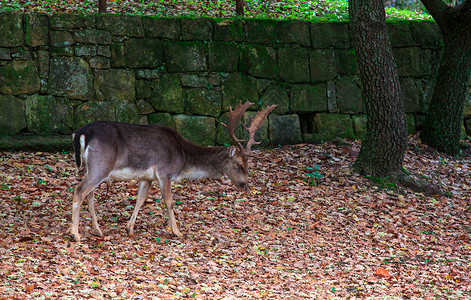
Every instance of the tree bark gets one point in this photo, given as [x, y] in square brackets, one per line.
[382, 151]
[102, 6]
[240, 8]
[442, 127]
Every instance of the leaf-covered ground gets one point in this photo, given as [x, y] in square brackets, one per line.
[308, 228]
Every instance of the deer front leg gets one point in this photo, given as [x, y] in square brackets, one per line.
[166, 190]
[91, 209]
[141, 197]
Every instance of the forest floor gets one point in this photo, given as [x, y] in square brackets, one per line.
[309, 228]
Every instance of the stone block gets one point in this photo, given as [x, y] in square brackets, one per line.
[104, 51]
[11, 29]
[359, 126]
[121, 25]
[61, 38]
[238, 87]
[413, 61]
[127, 112]
[275, 94]
[293, 64]
[144, 53]
[229, 30]
[323, 66]
[167, 96]
[258, 61]
[94, 111]
[186, 57]
[118, 55]
[36, 30]
[203, 102]
[293, 32]
[92, 36]
[12, 115]
[329, 126]
[223, 57]
[284, 130]
[85, 50]
[349, 97]
[410, 122]
[19, 77]
[411, 94]
[61, 51]
[198, 129]
[346, 62]
[330, 35]
[72, 78]
[163, 28]
[427, 34]
[308, 98]
[115, 85]
[144, 107]
[199, 29]
[46, 114]
[195, 81]
[71, 21]
[164, 119]
[399, 34]
[261, 31]
[43, 63]
[100, 62]
[5, 54]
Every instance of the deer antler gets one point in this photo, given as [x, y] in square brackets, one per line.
[254, 125]
[234, 118]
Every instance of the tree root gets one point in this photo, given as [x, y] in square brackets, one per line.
[415, 184]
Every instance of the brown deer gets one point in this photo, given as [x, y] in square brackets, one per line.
[119, 151]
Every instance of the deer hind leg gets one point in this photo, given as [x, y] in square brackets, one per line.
[91, 209]
[84, 189]
[141, 197]
[166, 190]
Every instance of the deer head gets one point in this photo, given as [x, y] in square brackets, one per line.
[237, 168]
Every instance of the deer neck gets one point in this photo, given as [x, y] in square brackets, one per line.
[204, 162]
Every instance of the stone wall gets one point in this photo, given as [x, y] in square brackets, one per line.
[60, 72]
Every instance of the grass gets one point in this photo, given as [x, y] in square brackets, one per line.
[316, 10]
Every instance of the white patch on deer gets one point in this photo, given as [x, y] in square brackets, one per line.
[192, 173]
[128, 174]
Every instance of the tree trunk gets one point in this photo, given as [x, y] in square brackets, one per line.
[442, 127]
[102, 6]
[382, 151]
[240, 8]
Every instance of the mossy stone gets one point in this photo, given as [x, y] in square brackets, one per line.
[94, 111]
[19, 77]
[258, 61]
[411, 94]
[238, 87]
[399, 34]
[12, 115]
[349, 96]
[284, 130]
[11, 29]
[36, 29]
[198, 129]
[167, 96]
[329, 126]
[359, 126]
[413, 61]
[61, 38]
[223, 57]
[144, 53]
[426, 34]
[261, 31]
[200, 29]
[346, 62]
[164, 119]
[115, 85]
[121, 25]
[127, 112]
[323, 66]
[308, 98]
[46, 114]
[293, 64]
[330, 35]
[163, 28]
[92, 36]
[186, 57]
[229, 30]
[203, 102]
[275, 94]
[71, 21]
[293, 31]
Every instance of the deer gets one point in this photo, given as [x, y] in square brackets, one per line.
[108, 150]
